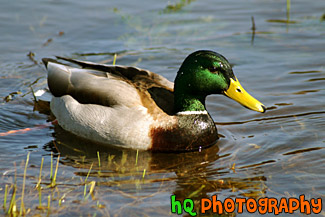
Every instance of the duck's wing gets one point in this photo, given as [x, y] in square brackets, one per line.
[110, 85]
[129, 72]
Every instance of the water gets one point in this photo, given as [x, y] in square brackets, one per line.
[276, 154]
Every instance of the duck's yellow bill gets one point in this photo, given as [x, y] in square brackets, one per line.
[239, 94]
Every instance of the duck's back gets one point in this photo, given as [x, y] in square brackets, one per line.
[109, 85]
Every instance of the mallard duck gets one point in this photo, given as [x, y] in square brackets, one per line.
[135, 108]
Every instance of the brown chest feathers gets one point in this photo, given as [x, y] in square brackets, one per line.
[191, 133]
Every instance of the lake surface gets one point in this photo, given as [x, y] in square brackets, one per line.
[280, 153]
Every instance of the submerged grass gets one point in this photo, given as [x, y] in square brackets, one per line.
[51, 173]
[114, 60]
[12, 211]
[38, 186]
[53, 177]
[48, 205]
[5, 198]
[46, 186]
[85, 188]
[98, 157]
[22, 207]
[288, 9]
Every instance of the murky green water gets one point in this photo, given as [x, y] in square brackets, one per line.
[276, 154]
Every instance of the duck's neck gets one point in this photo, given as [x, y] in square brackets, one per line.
[188, 103]
[187, 98]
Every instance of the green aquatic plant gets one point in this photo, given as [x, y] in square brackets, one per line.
[53, 178]
[91, 189]
[114, 60]
[196, 192]
[12, 211]
[85, 188]
[5, 198]
[98, 157]
[48, 205]
[22, 207]
[51, 171]
[38, 185]
[288, 9]
[177, 6]
[110, 159]
[144, 173]
[136, 158]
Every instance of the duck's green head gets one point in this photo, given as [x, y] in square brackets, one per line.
[206, 72]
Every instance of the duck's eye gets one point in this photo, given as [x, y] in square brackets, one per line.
[238, 90]
[214, 69]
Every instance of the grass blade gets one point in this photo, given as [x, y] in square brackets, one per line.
[22, 207]
[5, 198]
